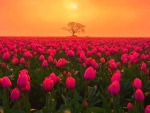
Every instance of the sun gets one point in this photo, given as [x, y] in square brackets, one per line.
[74, 6]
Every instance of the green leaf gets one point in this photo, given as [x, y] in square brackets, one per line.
[65, 99]
[95, 110]
[91, 92]
[17, 111]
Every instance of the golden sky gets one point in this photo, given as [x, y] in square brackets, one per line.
[108, 18]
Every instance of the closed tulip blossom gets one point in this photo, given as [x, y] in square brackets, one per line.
[139, 95]
[53, 77]
[116, 76]
[147, 109]
[114, 87]
[6, 56]
[102, 60]
[70, 83]
[143, 66]
[22, 80]
[129, 106]
[27, 87]
[15, 94]
[137, 83]
[6, 83]
[89, 73]
[22, 61]
[45, 63]
[41, 58]
[48, 84]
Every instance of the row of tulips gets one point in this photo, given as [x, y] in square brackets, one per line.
[75, 75]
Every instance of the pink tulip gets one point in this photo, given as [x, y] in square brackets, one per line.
[53, 77]
[116, 76]
[6, 83]
[139, 96]
[137, 83]
[6, 56]
[15, 61]
[22, 80]
[15, 94]
[26, 88]
[102, 60]
[44, 63]
[3, 65]
[70, 53]
[147, 109]
[48, 84]
[41, 58]
[70, 83]
[50, 59]
[114, 87]
[89, 73]
[129, 106]
[22, 61]
[113, 66]
[143, 66]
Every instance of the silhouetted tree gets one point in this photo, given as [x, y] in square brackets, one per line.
[74, 28]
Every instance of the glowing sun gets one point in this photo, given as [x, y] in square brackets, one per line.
[74, 6]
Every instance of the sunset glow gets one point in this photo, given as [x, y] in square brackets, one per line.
[102, 18]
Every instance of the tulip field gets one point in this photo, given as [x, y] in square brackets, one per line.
[74, 75]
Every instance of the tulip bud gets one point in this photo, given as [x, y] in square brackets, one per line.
[129, 106]
[27, 87]
[102, 60]
[139, 96]
[53, 77]
[143, 66]
[6, 56]
[147, 109]
[6, 83]
[44, 64]
[85, 104]
[15, 94]
[70, 83]
[22, 61]
[89, 73]
[114, 87]
[48, 84]
[137, 83]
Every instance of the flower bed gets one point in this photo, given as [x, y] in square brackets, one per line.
[77, 75]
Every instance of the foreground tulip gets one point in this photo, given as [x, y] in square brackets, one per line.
[129, 106]
[70, 83]
[139, 95]
[48, 84]
[15, 94]
[137, 83]
[6, 56]
[6, 83]
[22, 80]
[114, 87]
[147, 109]
[89, 73]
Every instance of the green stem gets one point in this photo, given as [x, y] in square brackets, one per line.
[114, 104]
[48, 99]
[7, 100]
[86, 89]
[26, 103]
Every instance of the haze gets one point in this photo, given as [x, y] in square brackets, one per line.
[104, 18]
